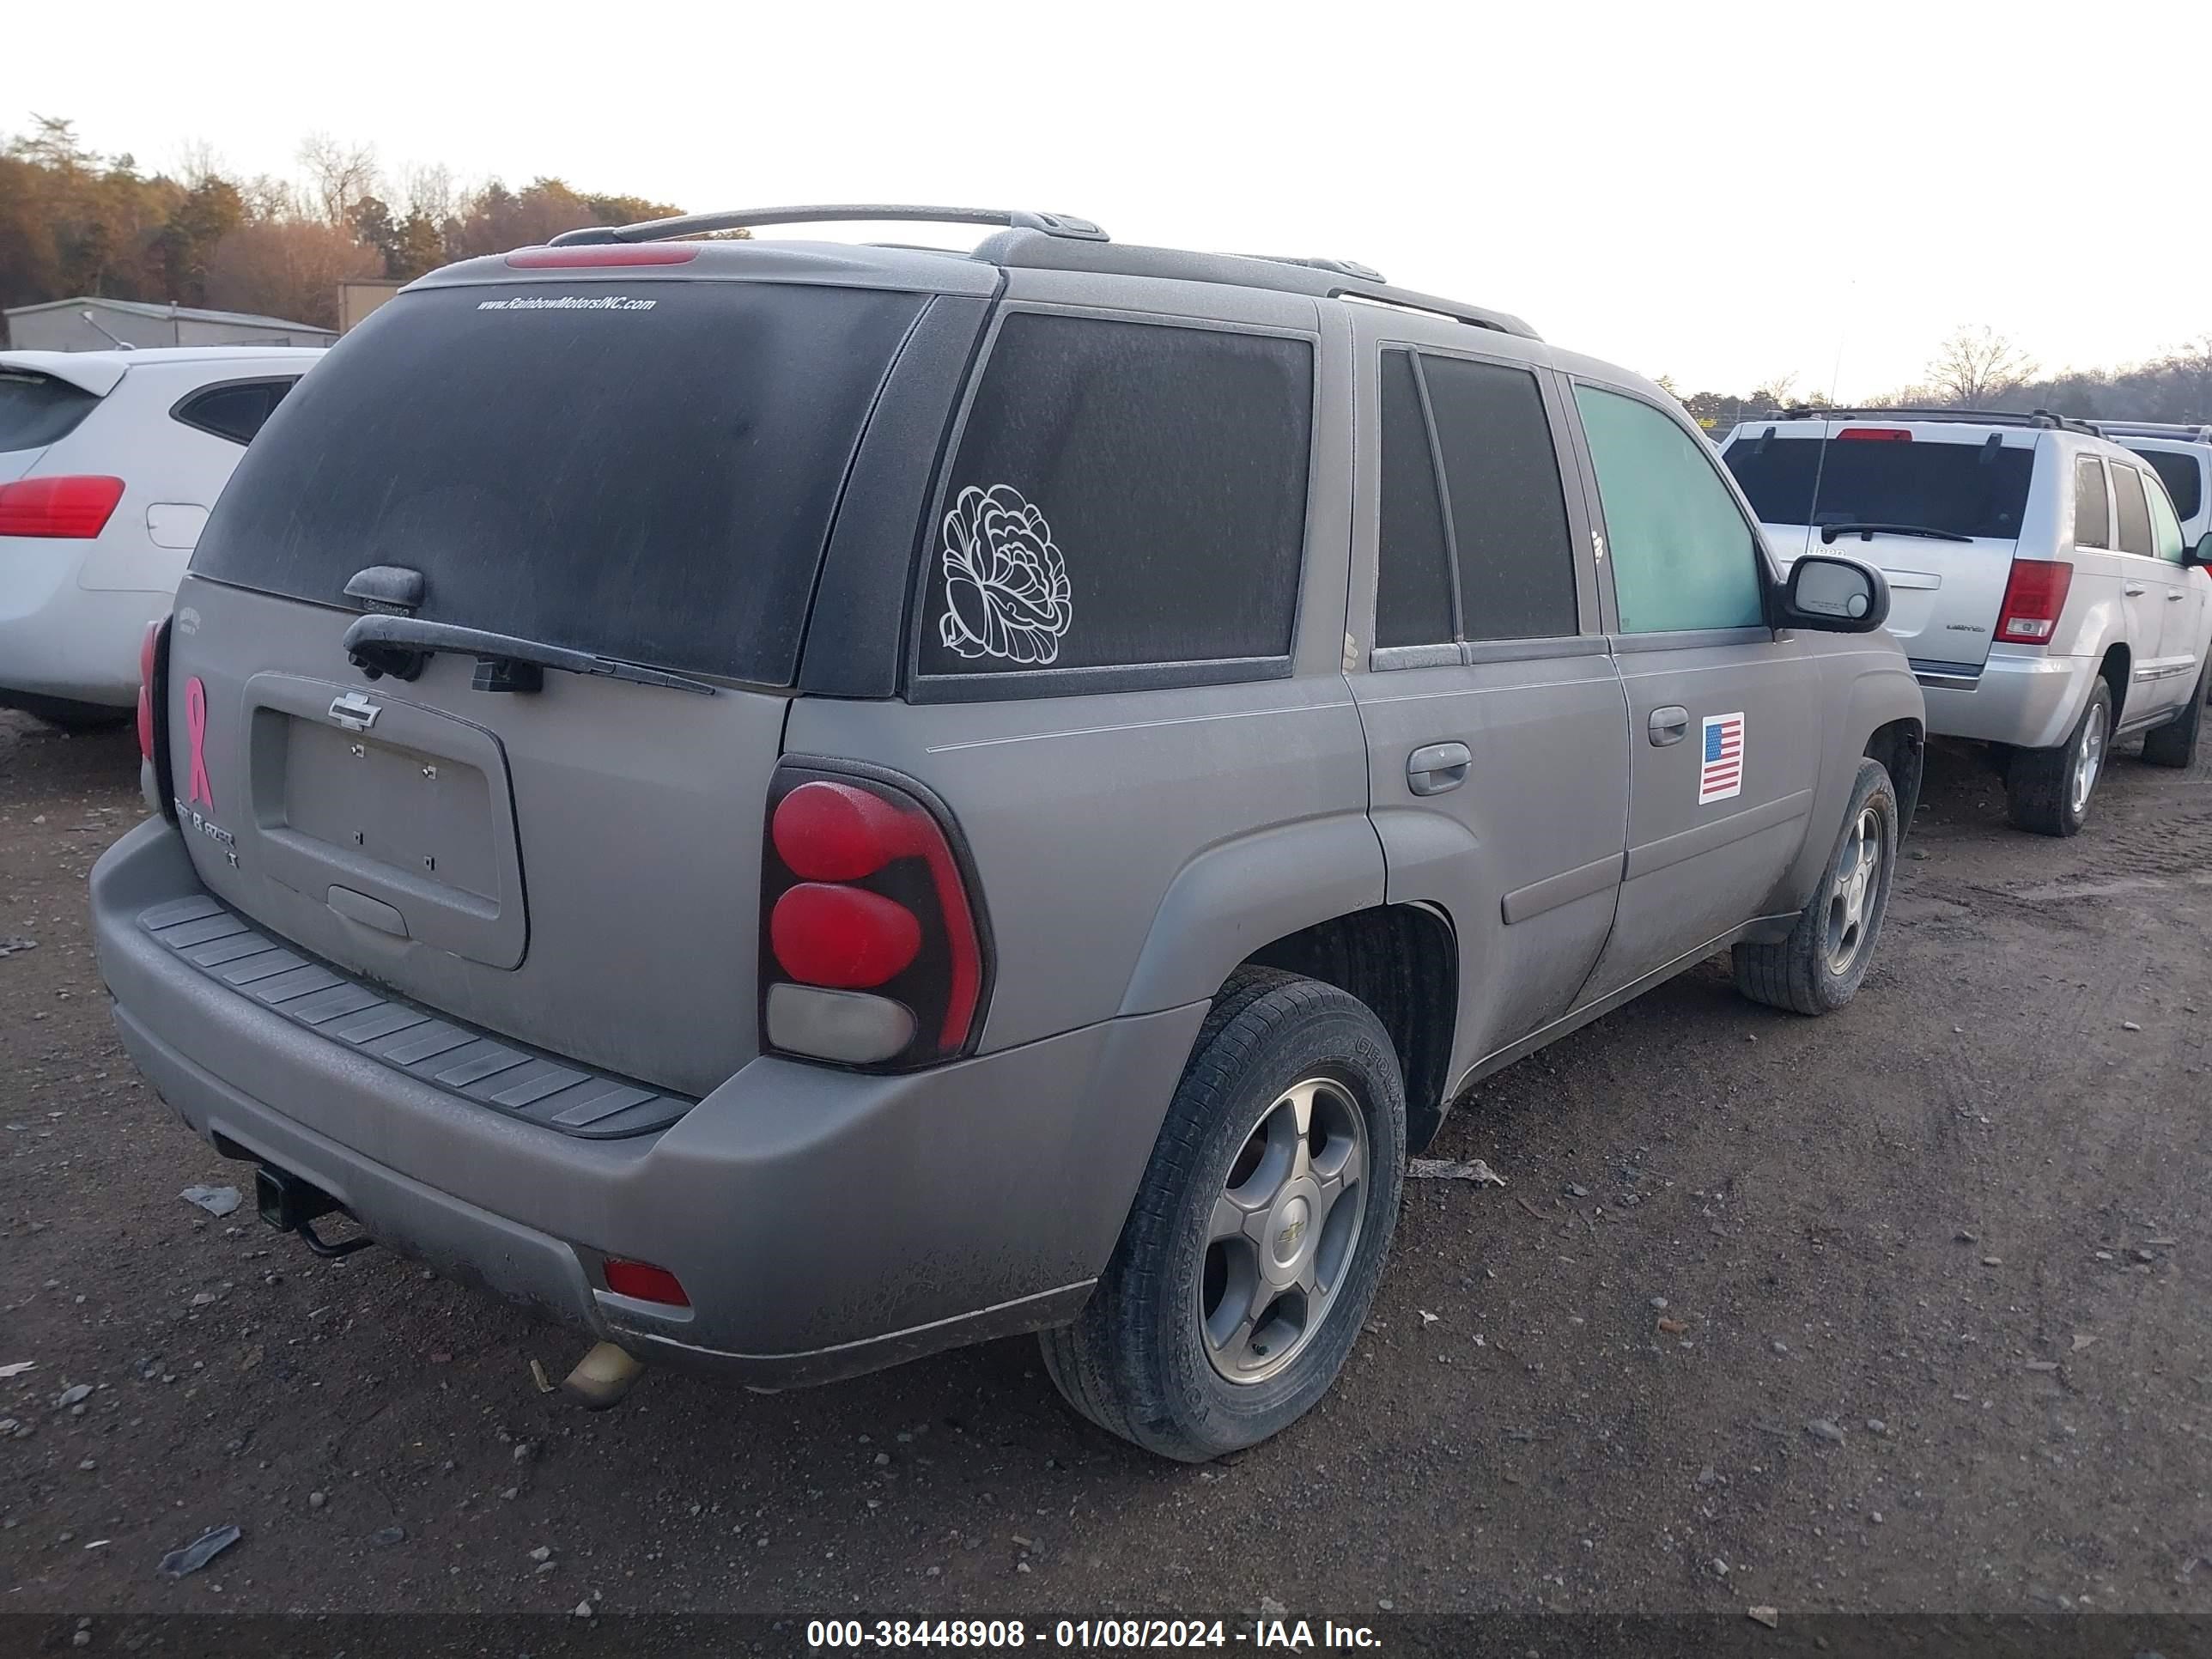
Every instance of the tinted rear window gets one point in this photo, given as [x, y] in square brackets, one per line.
[2184, 479]
[645, 472]
[38, 410]
[1967, 489]
[1124, 494]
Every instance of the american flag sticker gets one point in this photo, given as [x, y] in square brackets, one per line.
[1722, 774]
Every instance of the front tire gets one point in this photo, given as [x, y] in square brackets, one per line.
[2048, 790]
[1259, 1232]
[2174, 743]
[1818, 968]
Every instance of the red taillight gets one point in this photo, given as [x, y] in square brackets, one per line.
[147, 651]
[68, 509]
[2033, 597]
[597, 255]
[846, 938]
[1878, 434]
[863, 892]
[644, 1282]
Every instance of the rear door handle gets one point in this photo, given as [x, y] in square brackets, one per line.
[1436, 768]
[2135, 590]
[2175, 597]
[1669, 725]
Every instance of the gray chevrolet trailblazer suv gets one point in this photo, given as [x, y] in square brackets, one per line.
[796, 805]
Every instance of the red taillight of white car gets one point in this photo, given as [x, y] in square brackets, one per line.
[873, 952]
[74, 509]
[2033, 597]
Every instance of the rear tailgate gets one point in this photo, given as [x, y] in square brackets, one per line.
[1972, 484]
[575, 866]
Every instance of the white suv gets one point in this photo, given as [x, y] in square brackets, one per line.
[109, 461]
[2182, 458]
[2040, 581]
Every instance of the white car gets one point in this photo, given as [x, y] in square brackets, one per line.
[2040, 580]
[109, 461]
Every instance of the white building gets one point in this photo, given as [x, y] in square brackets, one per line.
[93, 324]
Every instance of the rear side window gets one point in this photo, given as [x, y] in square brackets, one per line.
[1509, 513]
[2134, 511]
[2182, 475]
[2092, 504]
[1683, 555]
[645, 472]
[37, 410]
[1123, 495]
[235, 410]
[1961, 489]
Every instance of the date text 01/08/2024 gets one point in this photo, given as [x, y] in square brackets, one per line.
[1104, 1634]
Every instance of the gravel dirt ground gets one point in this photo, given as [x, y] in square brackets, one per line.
[1902, 1309]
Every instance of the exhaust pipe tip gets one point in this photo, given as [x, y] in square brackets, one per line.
[603, 1377]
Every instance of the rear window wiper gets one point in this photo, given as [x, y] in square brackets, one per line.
[1866, 532]
[399, 646]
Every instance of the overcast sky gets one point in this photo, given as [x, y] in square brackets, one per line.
[1722, 194]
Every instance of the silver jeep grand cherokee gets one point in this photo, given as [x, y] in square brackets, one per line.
[796, 805]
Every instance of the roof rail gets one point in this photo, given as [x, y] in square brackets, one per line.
[1322, 279]
[1351, 268]
[2041, 417]
[694, 224]
[2189, 431]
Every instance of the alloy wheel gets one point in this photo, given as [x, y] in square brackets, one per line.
[1857, 885]
[1283, 1233]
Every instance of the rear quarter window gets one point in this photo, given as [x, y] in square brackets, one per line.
[1123, 495]
[37, 410]
[236, 410]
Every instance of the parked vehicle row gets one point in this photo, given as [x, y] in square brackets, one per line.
[797, 805]
[109, 463]
[2047, 579]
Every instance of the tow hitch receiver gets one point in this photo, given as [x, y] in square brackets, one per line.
[293, 1206]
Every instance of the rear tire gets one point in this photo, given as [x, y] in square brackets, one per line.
[2049, 790]
[2174, 743]
[1184, 1348]
[1818, 968]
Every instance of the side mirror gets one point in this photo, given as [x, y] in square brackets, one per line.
[2200, 555]
[1839, 596]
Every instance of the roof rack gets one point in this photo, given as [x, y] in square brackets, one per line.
[2190, 431]
[1063, 242]
[2041, 417]
[694, 224]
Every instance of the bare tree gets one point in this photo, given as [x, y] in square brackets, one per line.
[430, 189]
[1976, 366]
[338, 175]
[1774, 392]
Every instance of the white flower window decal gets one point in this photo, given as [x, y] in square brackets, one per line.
[1005, 585]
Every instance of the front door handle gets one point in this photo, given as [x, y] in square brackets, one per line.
[2135, 590]
[2176, 598]
[1669, 725]
[1438, 767]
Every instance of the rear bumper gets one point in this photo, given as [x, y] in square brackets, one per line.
[823, 1222]
[2031, 700]
[61, 640]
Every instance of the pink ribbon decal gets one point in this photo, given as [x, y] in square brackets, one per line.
[195, 728]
